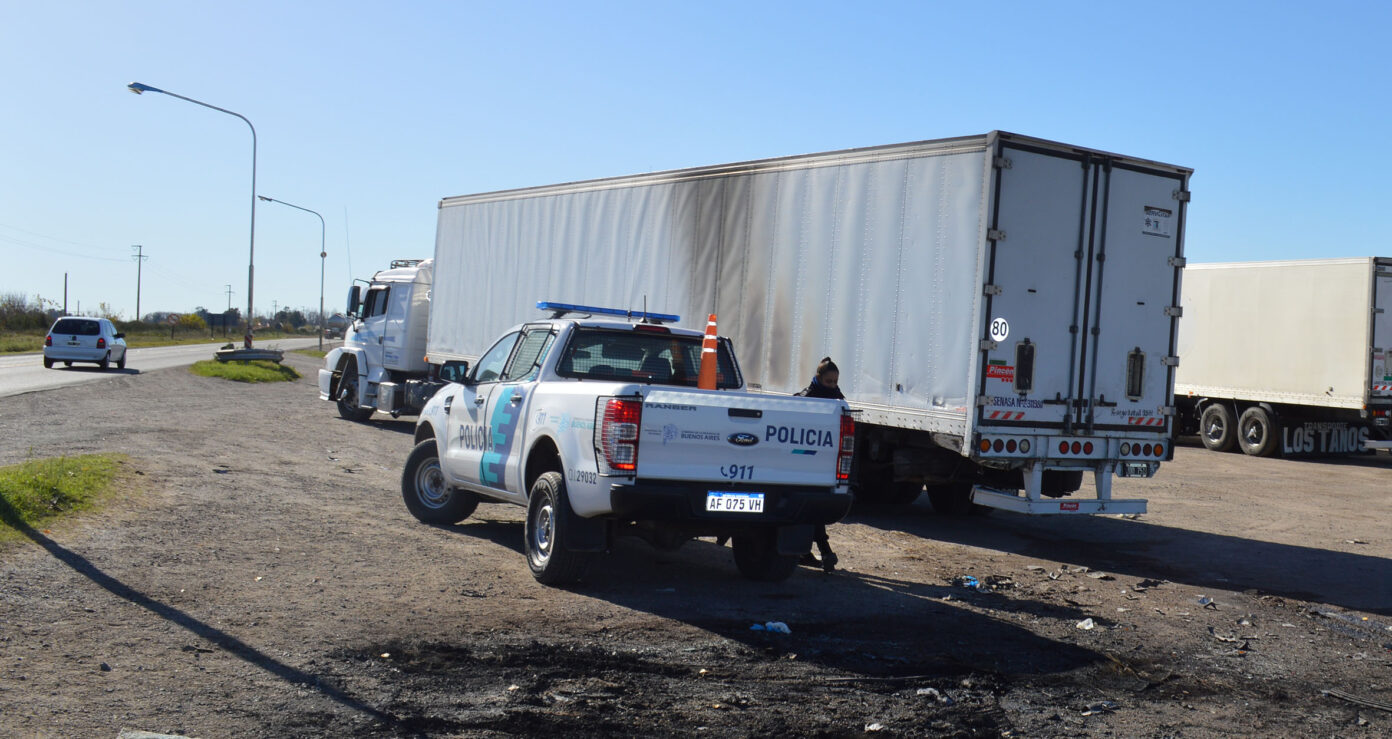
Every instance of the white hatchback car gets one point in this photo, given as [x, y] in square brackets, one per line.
[84, 340]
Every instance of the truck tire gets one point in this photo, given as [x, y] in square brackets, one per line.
[348, 395]
[954, 499]
[757, 557]
[427, 494]
[548, 514]
[1217, 428]
[1257, 433]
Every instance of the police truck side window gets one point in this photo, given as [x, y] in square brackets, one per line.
[530, 352]
[490, 366]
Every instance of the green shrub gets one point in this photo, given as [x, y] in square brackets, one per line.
[260, 370]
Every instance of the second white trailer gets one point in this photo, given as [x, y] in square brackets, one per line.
[1003, 309]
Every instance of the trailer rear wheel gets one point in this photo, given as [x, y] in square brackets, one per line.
[1217, 428]
[955, 499]
[757, 557]
[1257, 432]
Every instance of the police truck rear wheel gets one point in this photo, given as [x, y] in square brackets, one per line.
[1257, 433]
[757, 557]
[427, 494]
[1217, 428]
[548, 516]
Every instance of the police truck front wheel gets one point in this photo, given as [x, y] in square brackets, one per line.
[427, 494]
[757, 557]
[547, 533]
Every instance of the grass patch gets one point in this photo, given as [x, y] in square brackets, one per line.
[261, 370]
[36, 492]
[311, 352]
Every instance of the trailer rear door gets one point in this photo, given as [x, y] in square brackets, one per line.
[1083, 273]
[1381, 376]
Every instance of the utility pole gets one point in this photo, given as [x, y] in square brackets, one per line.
[65, 293]
[229, 298]
[274, 312]
[139, 257]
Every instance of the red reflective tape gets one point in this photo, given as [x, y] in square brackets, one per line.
[1068, 505]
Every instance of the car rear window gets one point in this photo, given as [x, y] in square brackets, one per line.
[77, 326]
[642, 356]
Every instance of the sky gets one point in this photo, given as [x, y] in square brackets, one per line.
[370, 113]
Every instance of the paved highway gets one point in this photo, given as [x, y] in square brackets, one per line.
[25, 373]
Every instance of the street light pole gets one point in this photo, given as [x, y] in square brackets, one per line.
[322, 255]
[138, 88]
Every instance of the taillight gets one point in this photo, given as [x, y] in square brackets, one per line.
[48, 340]
[618, 432]
[846, 451]
[101, 342]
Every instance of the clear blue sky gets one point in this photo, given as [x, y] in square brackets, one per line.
[371, 112]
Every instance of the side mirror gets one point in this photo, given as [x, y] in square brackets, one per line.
[119, 335]
[454, 371]
[354, 300]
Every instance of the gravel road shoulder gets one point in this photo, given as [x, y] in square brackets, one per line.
[265, 580]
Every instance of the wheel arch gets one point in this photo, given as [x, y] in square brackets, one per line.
[543, 456]
[424, 431]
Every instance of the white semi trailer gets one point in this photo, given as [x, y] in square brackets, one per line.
[1003, 309]
[1287, 358]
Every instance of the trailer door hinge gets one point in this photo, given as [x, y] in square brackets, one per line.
[1181, 195]
[1170, 361]
[995, 234]
[1174, 311]
[988, 346]
[1178, 261]
[1001, 163]
[981, 401]
[993, 290]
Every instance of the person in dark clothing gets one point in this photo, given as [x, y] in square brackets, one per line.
[825, 384]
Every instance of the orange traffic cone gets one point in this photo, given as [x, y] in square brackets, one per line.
[706, 379]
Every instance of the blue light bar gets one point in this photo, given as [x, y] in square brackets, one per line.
[560, 309]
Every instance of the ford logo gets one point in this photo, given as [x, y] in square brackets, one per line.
[742, 439]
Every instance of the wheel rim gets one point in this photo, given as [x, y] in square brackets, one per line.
[430, 485]
[1216, 429]
[348, 389]
[1255, 434]
[543, 532]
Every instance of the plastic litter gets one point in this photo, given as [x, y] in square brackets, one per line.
[1087, 624]
[1207, 602]
[776, 627]
[936, 695]
[967, 581]
[872, 728]
[1100, 707]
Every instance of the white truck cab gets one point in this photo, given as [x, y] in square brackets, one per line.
[597, 426]
[381, 365]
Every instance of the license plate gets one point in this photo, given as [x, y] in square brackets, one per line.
[735, 502]
[1135, 469]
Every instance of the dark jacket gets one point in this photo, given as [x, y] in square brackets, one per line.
[817, 390]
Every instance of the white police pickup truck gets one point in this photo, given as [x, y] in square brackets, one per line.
[597, 427]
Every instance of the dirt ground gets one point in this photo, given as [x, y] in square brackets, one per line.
[265, 579]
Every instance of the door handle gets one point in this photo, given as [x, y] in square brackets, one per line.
[516, 398]
[449, 402]
[379, 339]
[478, 400]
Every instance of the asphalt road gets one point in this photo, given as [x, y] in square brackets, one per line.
[25, 373]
